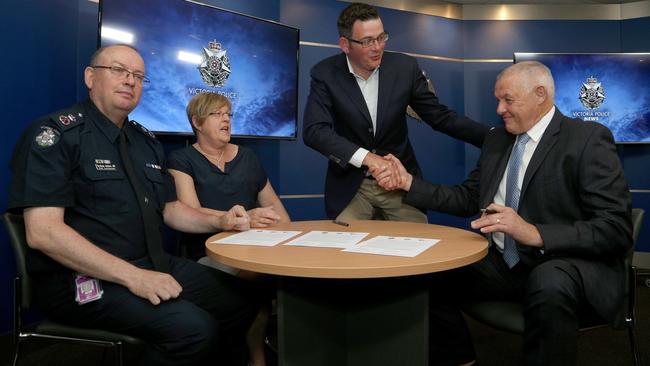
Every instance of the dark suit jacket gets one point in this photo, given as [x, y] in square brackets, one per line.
[337, 122]
[573, 191]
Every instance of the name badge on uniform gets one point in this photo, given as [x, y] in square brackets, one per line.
[88, 289]
[104, 165]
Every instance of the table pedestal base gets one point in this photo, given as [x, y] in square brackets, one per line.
[346, 322]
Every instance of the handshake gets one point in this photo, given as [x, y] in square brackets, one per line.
[388, 171]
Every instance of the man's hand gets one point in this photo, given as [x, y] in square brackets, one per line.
[235, 219]
[263, 217]
[383, 167]
[153, 286]
[504, 219]
[374, 161]
[394, 176]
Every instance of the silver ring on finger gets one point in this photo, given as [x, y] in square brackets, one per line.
[498, 220]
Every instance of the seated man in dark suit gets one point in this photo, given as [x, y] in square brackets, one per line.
[557, 215]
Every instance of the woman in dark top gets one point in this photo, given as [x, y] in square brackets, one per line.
[213, 175]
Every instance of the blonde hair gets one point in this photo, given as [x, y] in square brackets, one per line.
[202, 104]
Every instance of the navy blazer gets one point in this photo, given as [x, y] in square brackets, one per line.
[337, 121]
[573, 191]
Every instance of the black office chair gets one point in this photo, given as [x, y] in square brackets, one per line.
[47, 329]
[508, 316]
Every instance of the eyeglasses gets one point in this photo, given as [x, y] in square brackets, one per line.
[124, 73]
[367, 42]
[221, 114]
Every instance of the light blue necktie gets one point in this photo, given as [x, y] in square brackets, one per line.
[510, 255]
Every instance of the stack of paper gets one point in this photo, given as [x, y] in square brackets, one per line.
[394, 245]
[263, 238]
[328, 239]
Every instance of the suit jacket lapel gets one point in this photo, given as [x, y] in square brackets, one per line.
[349, 85]
[498, 163]
[549, 138]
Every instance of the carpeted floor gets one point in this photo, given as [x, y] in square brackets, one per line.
[602, 346]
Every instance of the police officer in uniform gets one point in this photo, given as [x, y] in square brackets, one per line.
[94, 193]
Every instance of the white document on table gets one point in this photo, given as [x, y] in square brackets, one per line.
[263, 238]
[393, 245]
[328, 239]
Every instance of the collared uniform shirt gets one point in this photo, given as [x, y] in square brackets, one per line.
[71, 159]
[535, 134]
[370, 90]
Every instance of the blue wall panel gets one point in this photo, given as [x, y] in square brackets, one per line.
[499, 39]
[635, 163]
[306, 209]
[40, 77]
[315, 18]
[635, 35]
[422, 34]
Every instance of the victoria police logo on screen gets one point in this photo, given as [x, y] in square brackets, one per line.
[215, 66]
[592, 96]
[592, 93]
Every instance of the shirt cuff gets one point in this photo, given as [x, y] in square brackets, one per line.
[357, 158]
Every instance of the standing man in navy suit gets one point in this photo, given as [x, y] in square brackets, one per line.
[356, 113]
[558, 218]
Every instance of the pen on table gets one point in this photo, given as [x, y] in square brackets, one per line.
[487, 211]
[342, 223]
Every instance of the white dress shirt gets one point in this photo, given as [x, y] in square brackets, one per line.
[370, 90]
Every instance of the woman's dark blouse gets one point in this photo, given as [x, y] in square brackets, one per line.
[239, 184]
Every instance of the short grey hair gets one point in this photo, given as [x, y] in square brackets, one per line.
[534, 74]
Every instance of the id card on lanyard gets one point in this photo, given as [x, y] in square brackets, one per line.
[88, 289]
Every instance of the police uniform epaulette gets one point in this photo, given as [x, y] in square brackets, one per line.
[143, 129]
[66, 119]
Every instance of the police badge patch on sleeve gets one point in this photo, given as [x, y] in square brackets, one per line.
[47, 137]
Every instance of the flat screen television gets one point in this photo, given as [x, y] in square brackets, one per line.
[609, 88]
[189, 47]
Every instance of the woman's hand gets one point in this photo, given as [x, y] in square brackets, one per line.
[263, 217]
[235, 219]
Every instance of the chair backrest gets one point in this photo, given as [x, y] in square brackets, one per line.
[15, 225]
[637, 220]
[625, 316]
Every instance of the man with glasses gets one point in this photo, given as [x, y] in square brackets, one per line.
[356, 113]
[94, 193]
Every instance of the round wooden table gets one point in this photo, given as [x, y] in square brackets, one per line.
[341, 308]
[456, 248]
